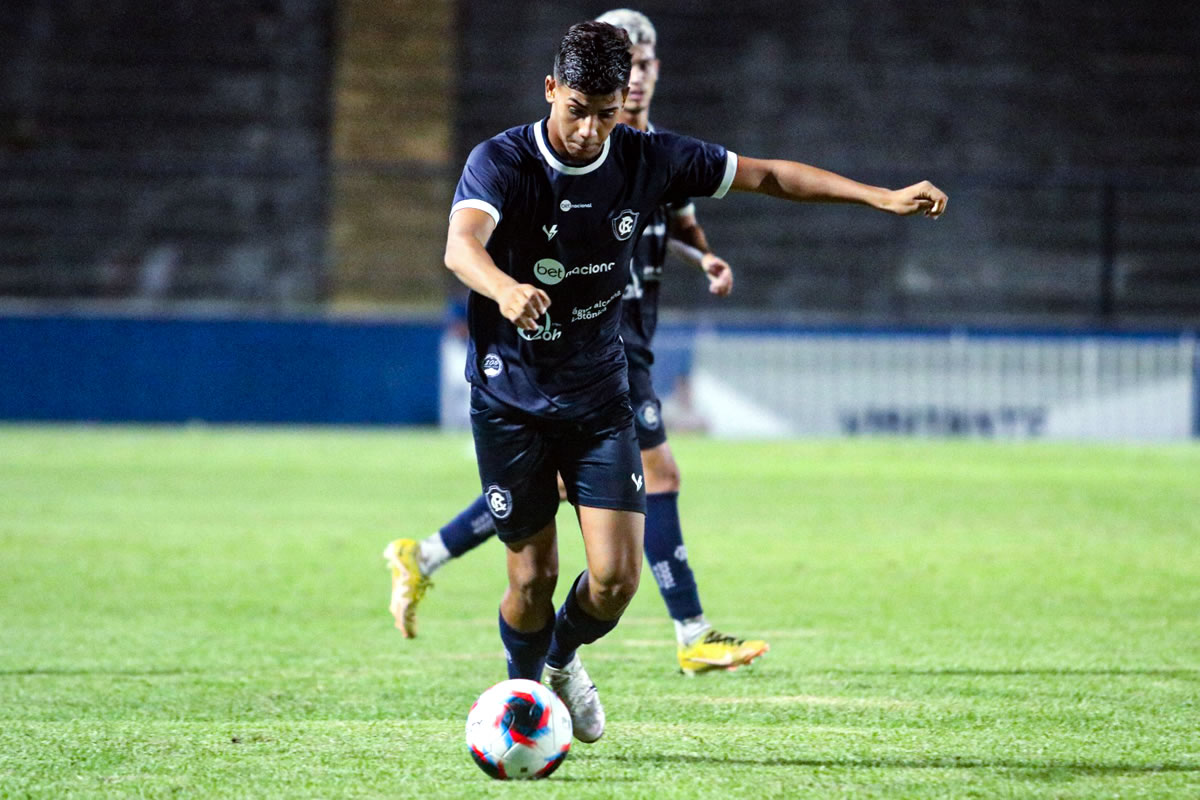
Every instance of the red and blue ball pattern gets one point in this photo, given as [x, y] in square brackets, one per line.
[517, 731]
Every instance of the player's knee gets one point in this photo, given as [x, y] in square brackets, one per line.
[534, 584]
[662, 473]
[663, 477]
[612, 590]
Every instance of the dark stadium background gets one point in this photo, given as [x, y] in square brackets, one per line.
[208, 209]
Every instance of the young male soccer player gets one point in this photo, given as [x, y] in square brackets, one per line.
[545, 218]
[700, 648]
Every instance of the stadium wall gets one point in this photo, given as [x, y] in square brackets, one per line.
[778, 380]
[951, 383]
[393, 174]
[1066, 141]
[167, 152]
[172, 370]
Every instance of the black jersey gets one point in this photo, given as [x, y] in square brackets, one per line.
[571, 231]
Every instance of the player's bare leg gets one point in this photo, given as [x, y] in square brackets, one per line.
[701, 648]
[613, 541]
[528, 602]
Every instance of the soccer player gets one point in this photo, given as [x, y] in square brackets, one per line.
[699, 647]
[544, 221]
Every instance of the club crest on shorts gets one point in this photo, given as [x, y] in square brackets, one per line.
[649, 416]
[624, 224]
[499, 501]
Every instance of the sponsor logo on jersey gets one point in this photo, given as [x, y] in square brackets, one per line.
[551, 271]
[594, 310]
[624, 224]
[499, 500]
[567, 205]
[547, 331]
[649, 416]
[549, 231]
[492, 365]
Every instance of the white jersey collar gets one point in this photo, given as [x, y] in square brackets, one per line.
[566, 169]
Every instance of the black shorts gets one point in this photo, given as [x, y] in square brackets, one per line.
[519, 455]
[647, 408]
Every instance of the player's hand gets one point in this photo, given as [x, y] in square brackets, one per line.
[720, 274]
[920, 198]
[521, 304]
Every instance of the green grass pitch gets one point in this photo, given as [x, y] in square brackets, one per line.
[203, 613]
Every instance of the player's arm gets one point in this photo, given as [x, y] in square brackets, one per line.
[801, 182]
[686, 239]
[468, 259]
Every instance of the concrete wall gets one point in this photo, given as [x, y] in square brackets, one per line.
[164, 151]
[1065, 133]
[393, 103]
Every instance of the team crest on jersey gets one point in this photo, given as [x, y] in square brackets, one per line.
[492, 365]
[624, 224]
[648, 413]
[499, 501]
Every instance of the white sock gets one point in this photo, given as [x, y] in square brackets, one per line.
[431, 554]
[691, 630]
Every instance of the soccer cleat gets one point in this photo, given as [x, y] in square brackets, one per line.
[409, 584]
[579, 695]
[718, 650]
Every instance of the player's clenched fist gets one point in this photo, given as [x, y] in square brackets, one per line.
[522, 304]
[720, 274]
[920, 198]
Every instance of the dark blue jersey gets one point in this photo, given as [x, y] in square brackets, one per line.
[571, 231]
[639, 303]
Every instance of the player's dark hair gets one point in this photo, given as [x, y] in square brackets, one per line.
[593, 58]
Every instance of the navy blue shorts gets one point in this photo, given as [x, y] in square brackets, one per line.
[519, 456]
[647, 408]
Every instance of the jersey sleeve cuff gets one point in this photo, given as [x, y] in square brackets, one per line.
[730, 171]
[481, 205]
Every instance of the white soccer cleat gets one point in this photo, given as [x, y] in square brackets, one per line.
[579, 695]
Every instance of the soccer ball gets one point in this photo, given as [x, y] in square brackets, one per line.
[518, 729]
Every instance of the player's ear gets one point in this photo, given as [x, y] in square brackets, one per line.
[550, 84]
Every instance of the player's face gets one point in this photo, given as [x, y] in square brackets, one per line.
[642, 78]
[580, 123]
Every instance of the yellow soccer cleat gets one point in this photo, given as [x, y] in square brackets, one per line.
[718, 650]
[409, 584]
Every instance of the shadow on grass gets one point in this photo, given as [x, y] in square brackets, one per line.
[1046, 767]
